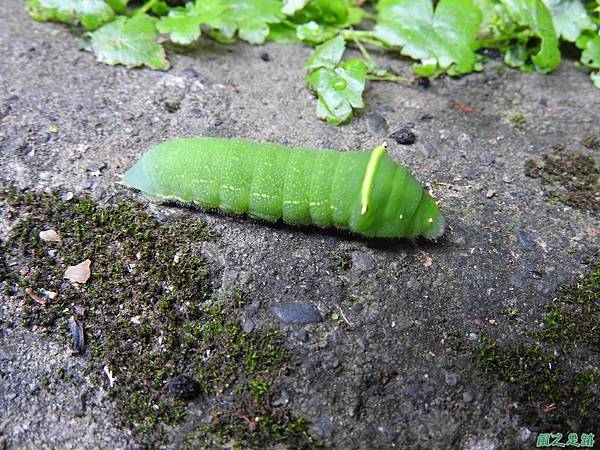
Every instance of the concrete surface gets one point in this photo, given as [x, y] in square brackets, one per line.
[500, 229]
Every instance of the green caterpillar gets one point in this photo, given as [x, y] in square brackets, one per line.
[364, 192]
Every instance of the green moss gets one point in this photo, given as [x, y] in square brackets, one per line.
[555, 374]
[591, 142]
[149, 314]
[572, 178]
[518, 120]
[340, 260]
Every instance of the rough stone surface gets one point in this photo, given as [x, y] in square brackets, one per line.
[392, 392]
[297, 313]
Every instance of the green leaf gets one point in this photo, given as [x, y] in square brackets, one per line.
[119, 6]
[444, 38]
[183, 24]
[535, 15]
[129, 41]
[251, 19]
[596, 79]
[339, 90]
[290, 7]
[282, 33]
[312, 32]
[90, 13]
[570, 18]
[591, 54]
[327, 54]
[330, 13]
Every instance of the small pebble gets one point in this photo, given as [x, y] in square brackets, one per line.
[300, 335]
[451, 378]
[507, 178]
[265, 57]
[196, 112]
[297, 313]
[95, 166]
[405, 135]
[424, 82]
[66, 197]
[524, 239]
[248, 326]
[190, 73]
[362, 262]
[490, 193]
[468, 173]
[86, 184]
[184, 387]
[524, 434]
[323, 427]
[377, 125]
[487, 159]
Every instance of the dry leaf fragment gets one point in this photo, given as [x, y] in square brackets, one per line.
[425, 259]
[49, 236]
[79, 273]
[463, 107]
[36, 298]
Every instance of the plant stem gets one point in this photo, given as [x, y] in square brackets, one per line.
[389, 77]
[144, 8]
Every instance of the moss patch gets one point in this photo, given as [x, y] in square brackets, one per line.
[572, 178]
[555, 375]
[149, 314]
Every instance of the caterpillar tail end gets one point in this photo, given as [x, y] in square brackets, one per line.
[436, 229]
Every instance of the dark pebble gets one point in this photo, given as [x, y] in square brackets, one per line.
[196, 112]
[405, 135]
[363, 342]
[248, 326]
[300, 335]
[451, 378]
[468, 173]
[487, 159]
[184, 387]
[377, 125]
[297, 313]
[77, 335]
[426, 116]
[265, 57]
[323, 427]
[524, 239]
[424, 82]
[190, 73]
[94, 166]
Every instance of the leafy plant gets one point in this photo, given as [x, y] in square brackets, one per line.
[445, 39]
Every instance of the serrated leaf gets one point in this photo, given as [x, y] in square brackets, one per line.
[443, 38]
[183, 24]
[290, 7]
[251, 19]
[339, 90]
[90, 13]
[535, 15]
[129, 41]
[328, 54]
[569, 18]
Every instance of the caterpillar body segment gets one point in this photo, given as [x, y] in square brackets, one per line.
[363, 192]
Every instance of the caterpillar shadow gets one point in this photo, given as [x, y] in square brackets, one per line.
[314, 231]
